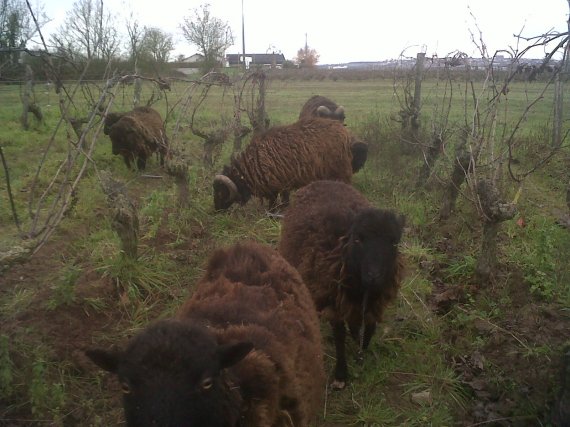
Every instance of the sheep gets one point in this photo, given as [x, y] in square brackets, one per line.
[136, 135]
[347, 253]
[320, 106]
[285, 158]
[244, 350]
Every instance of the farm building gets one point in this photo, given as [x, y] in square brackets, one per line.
[265, 60]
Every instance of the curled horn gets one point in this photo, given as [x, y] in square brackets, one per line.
[230, 185]
[339, 111]
[323, 111]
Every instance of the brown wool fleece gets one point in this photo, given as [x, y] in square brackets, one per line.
[250, 293]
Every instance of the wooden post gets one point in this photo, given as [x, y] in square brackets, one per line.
[27, 97]
[260, 119]
[138, 87]
[125, 218]
[415, 122]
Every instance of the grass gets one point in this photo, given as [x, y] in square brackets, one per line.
[412, 375]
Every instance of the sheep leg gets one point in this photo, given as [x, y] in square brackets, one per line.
[341, 368]
[127, 160]
[369, 330]
[141, 163]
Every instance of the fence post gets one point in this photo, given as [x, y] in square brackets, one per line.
[26, 97]
[415, 122]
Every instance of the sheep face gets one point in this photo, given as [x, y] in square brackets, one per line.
[172, 375]
[371, 249]
[110, 120]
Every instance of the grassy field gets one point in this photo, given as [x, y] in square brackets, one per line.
[449, 352]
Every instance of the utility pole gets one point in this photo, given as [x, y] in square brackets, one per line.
[243, 36]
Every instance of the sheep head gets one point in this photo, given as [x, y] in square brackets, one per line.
[230, 187]
[370, 250]
[325, 112]
[225, 192]
[172, 375]
[110, 120]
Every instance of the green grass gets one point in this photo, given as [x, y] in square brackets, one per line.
[407, 377]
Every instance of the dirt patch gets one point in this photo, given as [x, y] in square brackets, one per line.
[503, 358]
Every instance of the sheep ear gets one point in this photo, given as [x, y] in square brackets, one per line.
[230, 354]
[105, 359]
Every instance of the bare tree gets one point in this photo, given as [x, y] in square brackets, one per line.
[89, 30]
[17, 27]
[211, 35]
[489, 147]
[135, 35]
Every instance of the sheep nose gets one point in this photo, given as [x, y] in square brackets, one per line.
[373, 276]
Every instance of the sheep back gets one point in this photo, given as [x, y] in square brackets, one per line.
[288, 157]
[250, 293]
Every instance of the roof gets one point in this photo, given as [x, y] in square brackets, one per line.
[193, 58]
[256, 58]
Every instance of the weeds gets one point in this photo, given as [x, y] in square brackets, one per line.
[461, 269]
[141, 279]
[64, 289]
[537, 254]
[46, 398]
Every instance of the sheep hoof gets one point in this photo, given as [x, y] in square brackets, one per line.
[338, 385]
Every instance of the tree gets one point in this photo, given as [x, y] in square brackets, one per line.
[211, 35]
[135, 34]
[306, 57]
[17, 26]
[157, 45]
[89, 30]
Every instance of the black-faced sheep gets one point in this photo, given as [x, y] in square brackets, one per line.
[245, 350]
[136, 135]
[320, 106]
[347, 253]
[285, 158]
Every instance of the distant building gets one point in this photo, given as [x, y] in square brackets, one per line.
[192, 59]
[264, 60]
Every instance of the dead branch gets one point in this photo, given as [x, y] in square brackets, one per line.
[9, 189]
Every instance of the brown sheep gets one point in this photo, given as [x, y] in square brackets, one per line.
[285, 158]
[347, 253]
[320, 106]
[136, 135]
[244, 350]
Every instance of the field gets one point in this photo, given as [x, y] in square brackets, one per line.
[451, 351]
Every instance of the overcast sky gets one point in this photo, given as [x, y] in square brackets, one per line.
[351, 30]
